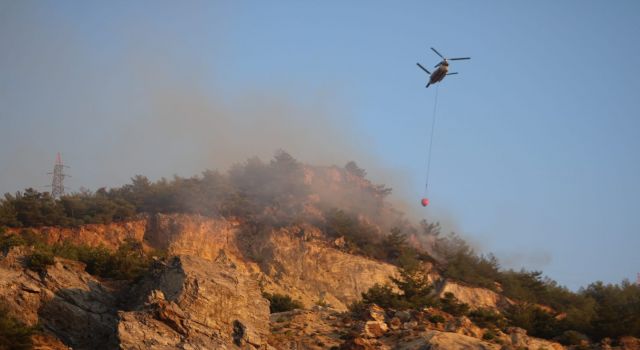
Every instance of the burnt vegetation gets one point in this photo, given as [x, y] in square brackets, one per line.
[277, 193]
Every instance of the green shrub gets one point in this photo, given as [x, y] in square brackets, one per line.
[98, 260]
[436, 319]
[39, 260]
[10, 240]
[128, 262]
[488, 318]
[381, 295]
[489, 334]
[357, 308]
[14, 334]
[415, 291]
[571, 337]
[281, 302]
[451, 305]
[537, 322]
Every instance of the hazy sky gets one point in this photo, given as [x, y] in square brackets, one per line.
[536, 151]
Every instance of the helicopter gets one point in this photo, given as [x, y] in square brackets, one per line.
[442, 68]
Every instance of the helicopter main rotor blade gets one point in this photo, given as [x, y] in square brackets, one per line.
[438, 53]
[459, 58]
[438, 65]
[424, 69]
[452, 73]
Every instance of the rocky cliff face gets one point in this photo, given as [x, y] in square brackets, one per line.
[293, 260]
[296, 261]
[197, 304]
[474, 296]
[66, 301]
[109, 235]
[187, 303]
[209, 294]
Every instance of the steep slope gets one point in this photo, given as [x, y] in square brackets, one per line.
[294, 260]
[107, 235]
[323, 328]
[297, 260]
[209, 295]
[188, 302]
[197, 304]
[66, 301]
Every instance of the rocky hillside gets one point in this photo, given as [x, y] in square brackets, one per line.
[208, 294]
[213, 261]
[292, 260]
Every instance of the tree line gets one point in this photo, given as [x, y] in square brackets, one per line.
[273, 192]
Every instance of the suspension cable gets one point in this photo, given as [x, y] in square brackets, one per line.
[433, 126]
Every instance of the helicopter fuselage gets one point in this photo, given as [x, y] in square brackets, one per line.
[438, 74]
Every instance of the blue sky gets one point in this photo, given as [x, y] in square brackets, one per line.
[536, 153]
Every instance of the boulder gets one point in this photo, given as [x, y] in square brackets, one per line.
[374, 329]
[395, 323]
[404, 316]
[519, 338]
[475, 297]
[374, 313]
[436, 340]
[362, 344]
[463, 325]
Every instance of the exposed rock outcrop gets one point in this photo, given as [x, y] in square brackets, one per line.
[294, 261]
[435, 340]
[107, 235]
[319, 328]
[323, 328]
[519, 339]
[64, 300]
[475, 297]
[195, 303]
[209, 295]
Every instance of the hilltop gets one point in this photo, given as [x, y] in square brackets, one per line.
[275, 254]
